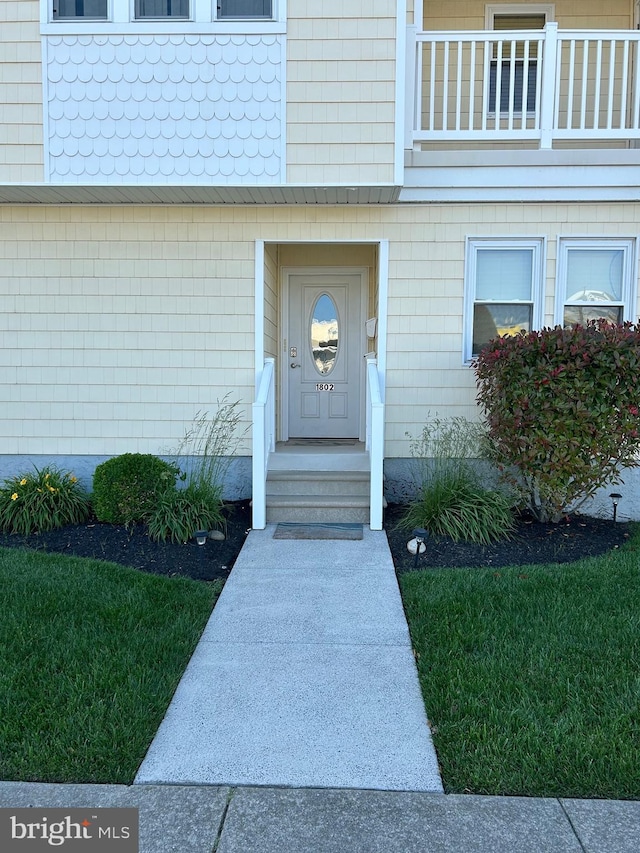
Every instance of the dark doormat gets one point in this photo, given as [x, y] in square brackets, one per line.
[322, 442]
[290, 530]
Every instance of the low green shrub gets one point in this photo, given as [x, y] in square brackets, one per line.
[180, 512]
[127, 488]
[43, 500]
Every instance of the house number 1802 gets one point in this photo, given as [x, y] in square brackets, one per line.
[324, 386]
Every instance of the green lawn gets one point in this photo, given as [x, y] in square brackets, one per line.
[91, 655]
[531, 675]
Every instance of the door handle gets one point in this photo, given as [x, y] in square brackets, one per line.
[294, 365]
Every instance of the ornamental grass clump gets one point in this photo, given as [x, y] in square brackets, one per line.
[203, 457]
[563, 411]
[42, 500]
[452, 500]
[180, 512]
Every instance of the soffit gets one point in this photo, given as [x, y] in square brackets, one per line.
[167, 195]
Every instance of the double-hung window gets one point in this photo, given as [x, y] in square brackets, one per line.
[513, 70]
[245, 8]
[70, 9]
[595, 280]
[503, 290]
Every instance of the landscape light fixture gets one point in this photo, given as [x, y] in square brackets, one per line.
[417, 545]
[201, 536]
[615, 499]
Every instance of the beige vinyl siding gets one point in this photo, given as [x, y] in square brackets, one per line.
[119, 323]
[21, 151]
[340, 92]
[591, 14]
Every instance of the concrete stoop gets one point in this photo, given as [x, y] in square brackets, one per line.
[315, 497]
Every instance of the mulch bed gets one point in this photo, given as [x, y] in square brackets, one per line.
[531, 542]
[130, 546]
[571, 539]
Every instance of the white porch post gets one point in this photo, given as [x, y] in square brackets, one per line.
[258, 463]
[547, 102]
[377, 412]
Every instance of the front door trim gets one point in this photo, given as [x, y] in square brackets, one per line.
[287, 273]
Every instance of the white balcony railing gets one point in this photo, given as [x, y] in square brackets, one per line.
[264, 438]
[543, 85]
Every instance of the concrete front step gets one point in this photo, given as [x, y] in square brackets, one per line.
[339, 483]
[324, 509]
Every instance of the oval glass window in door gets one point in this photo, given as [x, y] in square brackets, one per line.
[324, 334]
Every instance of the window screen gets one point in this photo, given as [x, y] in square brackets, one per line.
[79, 9]
[244, 8]
[162, 8]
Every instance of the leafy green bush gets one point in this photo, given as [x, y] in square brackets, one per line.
[127, 488]
[44, 500]
[451, 500]
[563, 411]
[180, 512]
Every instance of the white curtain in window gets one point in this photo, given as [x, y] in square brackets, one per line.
[504, 275]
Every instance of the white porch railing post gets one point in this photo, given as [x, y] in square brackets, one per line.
[263, 440]
[413, 78]
[549, 82]
[375, 444]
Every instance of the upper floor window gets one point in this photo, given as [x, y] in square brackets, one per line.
[513, 72]
[595, 281]
[245, 9]
[161, 9]
[503, 290]
[70, 9]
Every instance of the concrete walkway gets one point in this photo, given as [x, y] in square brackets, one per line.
[304, 677]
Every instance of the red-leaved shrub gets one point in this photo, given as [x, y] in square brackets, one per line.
[563, 410]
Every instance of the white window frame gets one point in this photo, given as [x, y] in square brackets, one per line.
[537, 245]
[629, 248]
[493, 9]
[121, 19]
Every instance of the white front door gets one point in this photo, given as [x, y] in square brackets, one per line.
[324, 354]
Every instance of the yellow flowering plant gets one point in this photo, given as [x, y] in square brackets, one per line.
[42, 500]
